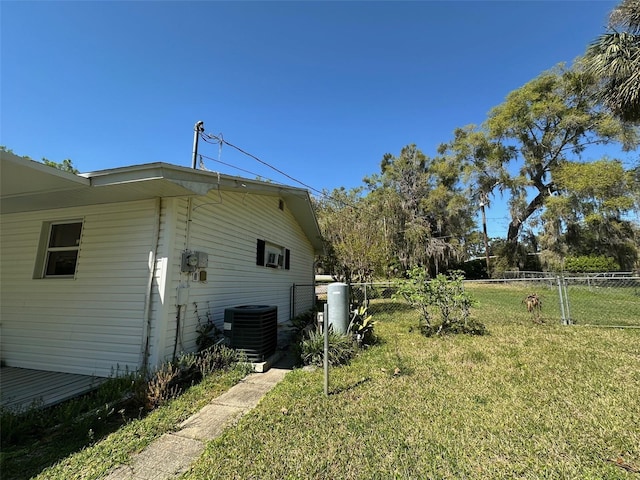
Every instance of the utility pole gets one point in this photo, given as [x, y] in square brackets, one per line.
[199, 127]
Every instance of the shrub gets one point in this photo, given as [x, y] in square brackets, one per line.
[591, 264]
[443, 302]
[311, 349]
[208, 333]
[214, 358]
[162, 387]
[171, 378]
[361, 327]
[302, 321]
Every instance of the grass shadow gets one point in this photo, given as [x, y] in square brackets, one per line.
[350, 387]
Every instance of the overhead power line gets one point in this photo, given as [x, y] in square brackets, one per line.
[220, 140]
[237, 168]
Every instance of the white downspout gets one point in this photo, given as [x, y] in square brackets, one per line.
[149, 291]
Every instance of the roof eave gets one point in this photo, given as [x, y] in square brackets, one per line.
[58, 189]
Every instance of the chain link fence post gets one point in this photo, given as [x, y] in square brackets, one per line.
[566, 301]
[561, 300]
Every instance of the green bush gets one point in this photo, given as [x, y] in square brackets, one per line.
[214, 358]
[361, 327]
[302, 321]
[311, 349]
[591, 264]
[444, 304]
[169, 381]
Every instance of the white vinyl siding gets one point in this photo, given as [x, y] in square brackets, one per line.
[91, 324]
[167, 277]
[226, 226]
[95, 323]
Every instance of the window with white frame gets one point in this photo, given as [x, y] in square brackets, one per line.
[271, 255]
[59, 246]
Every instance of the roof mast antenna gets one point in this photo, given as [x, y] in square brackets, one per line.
[197, 129]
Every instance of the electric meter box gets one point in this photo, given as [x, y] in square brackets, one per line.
[192, 261]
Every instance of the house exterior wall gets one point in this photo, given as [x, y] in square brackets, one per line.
[166, 280]
[125, 291]
[94, 323]
[226, 226]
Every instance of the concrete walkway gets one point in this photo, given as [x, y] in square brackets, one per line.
[173, 453]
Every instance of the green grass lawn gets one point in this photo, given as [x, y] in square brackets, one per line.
[588, 305]
[526, 401]
[605, 306]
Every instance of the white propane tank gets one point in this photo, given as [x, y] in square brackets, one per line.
[338, 306]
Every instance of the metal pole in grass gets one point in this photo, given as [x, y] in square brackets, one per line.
[566, 300]
[564, 320]
[325, 329]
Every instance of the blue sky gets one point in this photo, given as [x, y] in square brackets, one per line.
[320, 90]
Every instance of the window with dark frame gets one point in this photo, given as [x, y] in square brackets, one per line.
[272, 255]
[63, 244]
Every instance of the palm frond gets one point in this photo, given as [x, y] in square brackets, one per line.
[614, 58]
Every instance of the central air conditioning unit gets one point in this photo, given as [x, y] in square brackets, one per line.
[253, 330]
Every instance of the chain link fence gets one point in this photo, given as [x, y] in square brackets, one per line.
[570, 300]
[303, 298]
[606, 300]
[602, 300]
